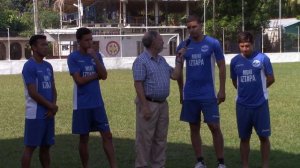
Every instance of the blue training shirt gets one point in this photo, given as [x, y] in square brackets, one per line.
[250, 74]
[88, 95]
[200, 68]
[40, 74]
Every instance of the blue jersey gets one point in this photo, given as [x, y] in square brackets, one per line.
[250, 74]
[40, 74]
[88, 95]
[200, 68]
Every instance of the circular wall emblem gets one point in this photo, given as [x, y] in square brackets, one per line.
[112, 48]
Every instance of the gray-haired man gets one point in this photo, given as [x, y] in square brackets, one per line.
[152, 75]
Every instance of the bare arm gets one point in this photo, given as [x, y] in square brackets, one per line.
[49, 112]
[142, 98]
[180, 86]
[270, 80]
[234, 82]
[179, 62]
[222, 77]
[100, 68]
[178, 69]
[54, 92]
[79, 80]
[32, 91]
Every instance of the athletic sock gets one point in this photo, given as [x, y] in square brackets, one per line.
[221, 160]
[200, 159]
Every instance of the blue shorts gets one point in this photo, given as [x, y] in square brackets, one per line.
[89, 120]
[257, 117]
[39, 132]
[191, 111]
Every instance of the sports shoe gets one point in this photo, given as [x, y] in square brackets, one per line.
[200, 165]
[221, 166]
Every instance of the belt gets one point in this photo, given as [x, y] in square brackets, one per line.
[155, 100]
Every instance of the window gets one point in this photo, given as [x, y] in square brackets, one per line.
[64, 47]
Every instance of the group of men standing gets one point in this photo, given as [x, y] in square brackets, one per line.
[251, 74]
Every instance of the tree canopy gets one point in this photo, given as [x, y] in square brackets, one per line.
[18, 14]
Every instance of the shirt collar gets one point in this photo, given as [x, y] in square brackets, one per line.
[148, 54]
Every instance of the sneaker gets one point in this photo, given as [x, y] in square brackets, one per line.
[221, 166]
[200, 165]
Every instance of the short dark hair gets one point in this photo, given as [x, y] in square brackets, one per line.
[193, 18]
[149, 37]
[33, 39]
[81, 32]
[245, 37]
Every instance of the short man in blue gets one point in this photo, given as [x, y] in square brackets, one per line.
[87, 68]
[40, 95]
[201, 53]
[251, 74]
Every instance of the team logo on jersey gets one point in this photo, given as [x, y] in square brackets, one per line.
[256, 63]
[204, 48]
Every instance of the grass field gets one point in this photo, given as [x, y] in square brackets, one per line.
[118, 93]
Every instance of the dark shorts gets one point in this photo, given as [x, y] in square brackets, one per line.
[258, 117]
[89, 120]
[191, 111]
[39, 132]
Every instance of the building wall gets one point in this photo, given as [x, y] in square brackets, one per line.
[18, 48]
[60, 65]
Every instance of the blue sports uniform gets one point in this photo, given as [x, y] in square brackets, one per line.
[88, 108]
[199, 91]
[39, 130]
[252, 94]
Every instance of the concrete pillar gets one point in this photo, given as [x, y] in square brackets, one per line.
[156, 12]
[23, 46]
[7, 52]
[187, 8]
[124, 14]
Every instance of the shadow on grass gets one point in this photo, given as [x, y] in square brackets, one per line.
[65, 155]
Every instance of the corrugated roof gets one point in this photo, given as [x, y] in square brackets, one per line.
[283, 22]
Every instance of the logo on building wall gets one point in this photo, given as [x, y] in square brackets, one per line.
[112, 48]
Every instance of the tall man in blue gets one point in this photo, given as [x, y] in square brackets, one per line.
[87, 68]
[201, 52]
[152, 75]
[40, 95]
[251, 74]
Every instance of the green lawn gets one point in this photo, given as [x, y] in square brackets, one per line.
[119, 94]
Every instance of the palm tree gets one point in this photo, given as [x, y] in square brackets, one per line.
[290, 7]
[58, 5]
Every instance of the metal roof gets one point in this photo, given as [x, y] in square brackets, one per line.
[283, 22]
